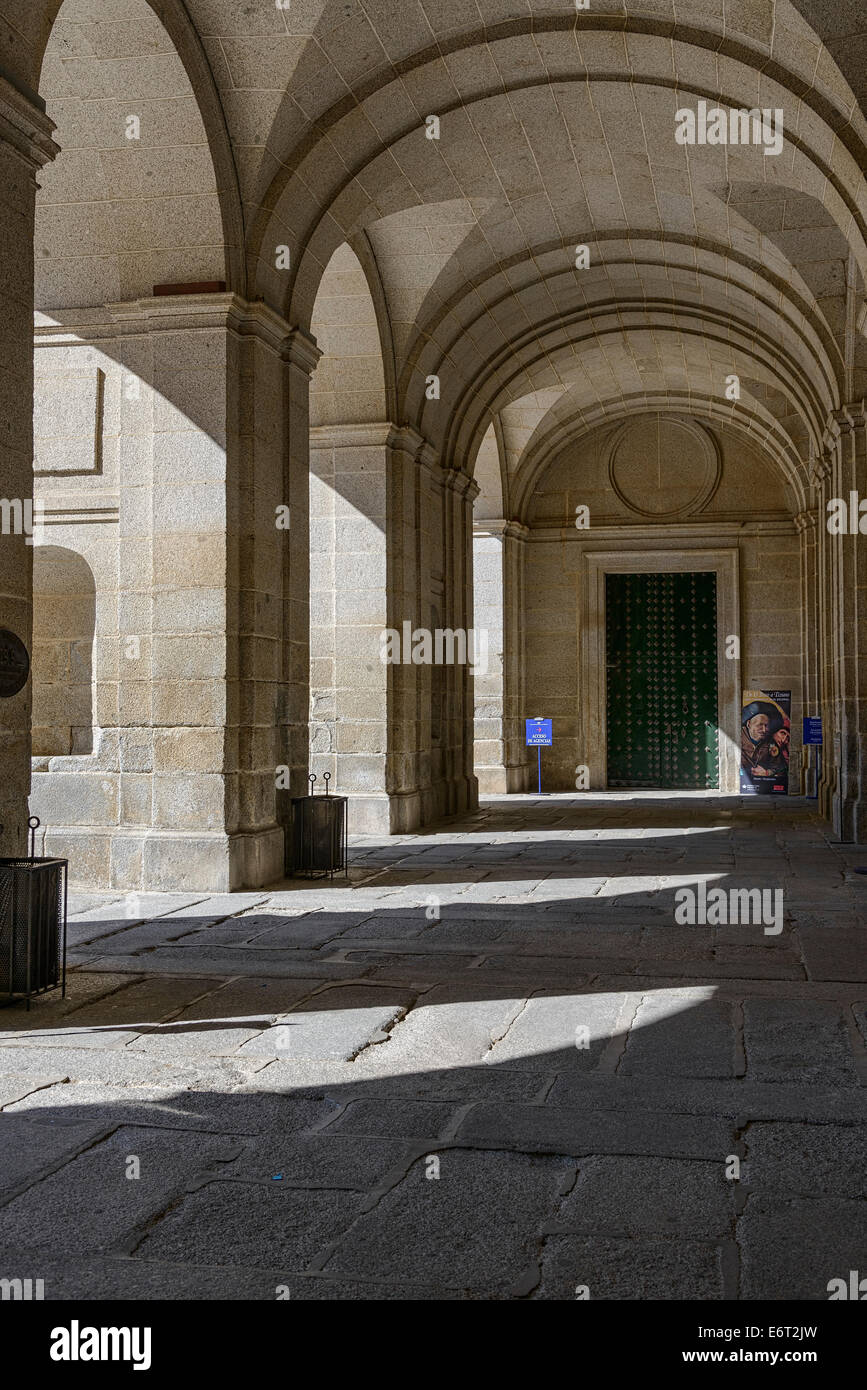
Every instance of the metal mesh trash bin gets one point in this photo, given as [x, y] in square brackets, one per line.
[318, 833]
[32, 924]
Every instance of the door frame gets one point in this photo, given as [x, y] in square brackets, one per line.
[593, 692]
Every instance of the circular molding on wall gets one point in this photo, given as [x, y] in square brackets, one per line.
[678, 476]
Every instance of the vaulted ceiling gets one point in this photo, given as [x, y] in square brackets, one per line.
[275, 137]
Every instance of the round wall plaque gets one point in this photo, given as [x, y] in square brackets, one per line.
[14, 664]
[663, 467]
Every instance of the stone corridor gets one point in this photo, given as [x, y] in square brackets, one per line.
[491, 1067]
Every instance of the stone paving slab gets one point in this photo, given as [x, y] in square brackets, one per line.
[626, 1196]
[48, 1009]
[325, 1161]
[374, 1069]
[791, 1249]
[232, 1113]
[29, 1150]
[445, 1029]
[806, 1159]
[122, 1067]
[743, 1098]
[13, 1088]
[630, 1269]
[404, 1119]
[338, 1034]
[473, 1226]
[119, 1278]
[562, 1129]
[834, 953]
[251, 1224]
[683, 1032]
[94, 1201]
[571, 1032]
[798, 1040]
[203, 961]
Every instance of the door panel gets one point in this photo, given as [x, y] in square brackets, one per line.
[662, 681]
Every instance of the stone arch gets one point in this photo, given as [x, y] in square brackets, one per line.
[64, 621]
[667, 49]
[349, 560]
[349, 385]
[134, 198]
[751, 424]
[553, 358]
[146, 32]
[488, 473]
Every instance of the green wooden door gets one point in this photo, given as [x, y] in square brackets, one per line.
[662, 680]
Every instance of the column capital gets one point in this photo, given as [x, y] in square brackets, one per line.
[849, 417]
[490, 526]
[172, 313]
[820, 465]
[302, 350]
[500, 526]
[25, 128]
[806, 521]
[351, 436]
[408, 440]
[461, 483]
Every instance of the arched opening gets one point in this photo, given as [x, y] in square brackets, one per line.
[64, 621]
[499, 754]
[349, 563]
[645, 686]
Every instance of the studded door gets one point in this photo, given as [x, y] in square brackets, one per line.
[662, 681]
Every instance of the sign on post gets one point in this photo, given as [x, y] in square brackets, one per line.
[813, 737]
[540, 735]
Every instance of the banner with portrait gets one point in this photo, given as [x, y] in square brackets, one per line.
[766, 732]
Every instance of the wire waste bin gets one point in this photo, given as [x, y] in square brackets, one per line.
[32, 924]
[318, 833]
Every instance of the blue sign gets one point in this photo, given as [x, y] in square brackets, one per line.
[812, 730]
[539, 733]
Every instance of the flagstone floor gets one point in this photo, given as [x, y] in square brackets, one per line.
[490, 1066]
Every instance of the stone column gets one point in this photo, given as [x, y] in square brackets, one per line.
[181, 788]
[841, 475]
[821, 469]
[498, 587]
[293, 716]
[267, 586]
[806, 523]
[414, 544]
[461, 790]
[25, 146]
[430, 769]
[391, 537]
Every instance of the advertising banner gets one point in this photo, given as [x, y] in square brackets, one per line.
[765, 740]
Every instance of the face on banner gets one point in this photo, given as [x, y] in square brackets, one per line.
[765, 741]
